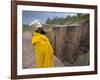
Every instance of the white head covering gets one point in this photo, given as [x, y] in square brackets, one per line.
[35, 24]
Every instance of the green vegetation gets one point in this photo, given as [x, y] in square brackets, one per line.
[67, 20]
[26, 28]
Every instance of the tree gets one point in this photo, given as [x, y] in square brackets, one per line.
[48, 21]
[79, 14]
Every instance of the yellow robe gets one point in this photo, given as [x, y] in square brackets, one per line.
[43, 50]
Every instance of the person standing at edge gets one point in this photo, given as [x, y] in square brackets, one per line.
[42, 46]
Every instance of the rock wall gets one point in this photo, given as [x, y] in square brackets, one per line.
[84, 42]
[68, 41]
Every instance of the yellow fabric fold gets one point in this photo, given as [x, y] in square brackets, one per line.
[43, 50]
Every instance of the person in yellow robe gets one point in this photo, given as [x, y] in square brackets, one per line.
[42, 46]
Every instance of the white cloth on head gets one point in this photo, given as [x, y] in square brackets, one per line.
[35, 24]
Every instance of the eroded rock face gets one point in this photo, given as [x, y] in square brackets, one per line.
[84, 42]
[69, 40]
